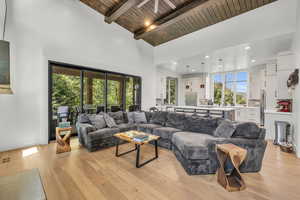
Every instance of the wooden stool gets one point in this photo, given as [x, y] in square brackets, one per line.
[63, 143]
[233, 181]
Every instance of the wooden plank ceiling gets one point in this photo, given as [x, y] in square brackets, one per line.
[168, 24]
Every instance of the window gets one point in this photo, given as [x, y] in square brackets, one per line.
[235, 88]
[171, 98]
[218, 88]
[241, 88]
[229, 89]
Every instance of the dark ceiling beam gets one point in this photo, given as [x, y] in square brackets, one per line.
[113, 14]
[170, 19]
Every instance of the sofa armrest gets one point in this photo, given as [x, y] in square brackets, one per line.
[83, 129]
[255, 152]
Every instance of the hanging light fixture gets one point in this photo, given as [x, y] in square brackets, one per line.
[5, 87]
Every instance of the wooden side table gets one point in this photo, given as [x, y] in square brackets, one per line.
[234, 181]
[63, 141]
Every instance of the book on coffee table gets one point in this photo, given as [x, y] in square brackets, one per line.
[141, 138]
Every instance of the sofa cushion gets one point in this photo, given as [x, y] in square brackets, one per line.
[126, 127]
[199, 124]
[83, 118]
[165, 132]
[140, 118]
[225, 129]
[110, 122]
[148, 116]
[130, 117]
[103, 133]
[117, 116]
[147, 128]
[175, 120]
[97, 121]
[159, 118]
[192, 145]
[248, 130]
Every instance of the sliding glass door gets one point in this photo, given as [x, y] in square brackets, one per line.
[80, 89]
[94, 92]
[66, 92]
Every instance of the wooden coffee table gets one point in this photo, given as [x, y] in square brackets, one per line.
[234, 181]
[129, 137]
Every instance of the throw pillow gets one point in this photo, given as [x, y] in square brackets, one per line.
[83, 118]
[130, 117]
[117, 116]
[98, 121]
[159, 118]
[140, 118]
[225, 129]
[110, 122]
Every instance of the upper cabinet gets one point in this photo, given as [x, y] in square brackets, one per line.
[285, 61]
[271, 69]
[256, 83]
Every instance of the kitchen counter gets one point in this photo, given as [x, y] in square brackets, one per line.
[198, 108]
[276, 112]
[216, 108]
[214, 111]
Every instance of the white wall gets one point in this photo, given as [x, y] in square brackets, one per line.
[65, 31]
[296, 100]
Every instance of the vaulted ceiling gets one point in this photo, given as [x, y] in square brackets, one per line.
[168, 24]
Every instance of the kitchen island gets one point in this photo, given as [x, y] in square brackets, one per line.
[210, 111]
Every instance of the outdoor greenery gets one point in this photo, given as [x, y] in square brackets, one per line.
[218, 93]
[171, 89]
[228, 96]
[66, 92]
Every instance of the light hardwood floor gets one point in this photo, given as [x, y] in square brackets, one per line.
[100, 175]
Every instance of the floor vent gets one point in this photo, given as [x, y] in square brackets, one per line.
[5, 160]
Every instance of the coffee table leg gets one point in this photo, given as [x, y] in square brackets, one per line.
[121, 154]
[138, 165]
[156, 151]
[117, 147]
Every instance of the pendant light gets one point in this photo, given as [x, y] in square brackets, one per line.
[4, 60]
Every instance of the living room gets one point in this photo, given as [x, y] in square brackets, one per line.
[154, 53]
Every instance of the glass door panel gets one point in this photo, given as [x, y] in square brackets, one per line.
[115, 87]
[65, 92]
[93, 92]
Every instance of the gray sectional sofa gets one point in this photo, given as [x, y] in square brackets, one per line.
[192, 138]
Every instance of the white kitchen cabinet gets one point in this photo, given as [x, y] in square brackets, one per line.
[248, 114]
[282, 91]
[285, 62]
[271, 69]
[271, 92]
[271, 117]
[256, 83]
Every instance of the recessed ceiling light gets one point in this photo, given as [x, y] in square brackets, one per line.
[174, 63]
[247, 48]
[193, 70]
[152, 27]
[207, 57]
[253, 60]
[147, 23]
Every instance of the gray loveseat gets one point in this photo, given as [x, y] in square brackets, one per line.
[192, 139]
